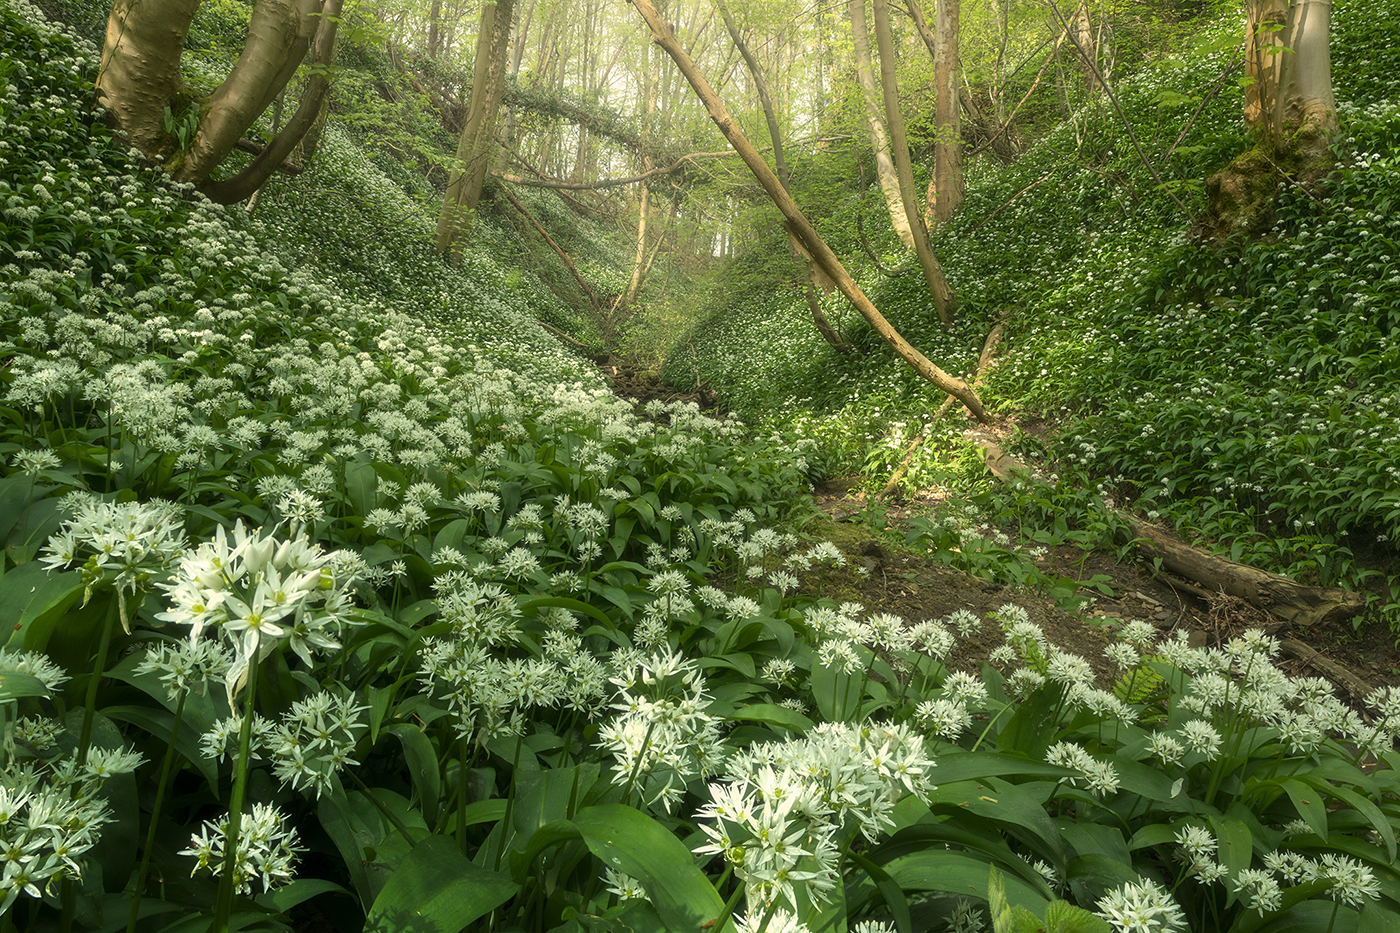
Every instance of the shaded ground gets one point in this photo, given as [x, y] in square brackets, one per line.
[886, 576]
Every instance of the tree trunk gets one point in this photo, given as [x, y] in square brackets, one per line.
[474, 148]
[278, 36]
[884, 165]
[943, 300]
[140, 72]
[815, 276]
[796, 222]
[947, 179]
[1289, 106]
[434, 30]
[242, 185]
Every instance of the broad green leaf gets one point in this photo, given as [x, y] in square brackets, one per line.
[14, 685]
[890, 891]
[298, 892]
[958, 873]
[773, 715]
[837, 693]
[971, 765]
[1089, 876]
[161, 723]
[422, 762]
[1308, 802]
[32, 602]
[437, 889]
[633, 843]
[1236, 848]
[1003, 802]
[1031, 729]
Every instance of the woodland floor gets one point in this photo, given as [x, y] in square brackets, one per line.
[907, 583]
[910, 584]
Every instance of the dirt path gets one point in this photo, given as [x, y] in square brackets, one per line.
[886, 576]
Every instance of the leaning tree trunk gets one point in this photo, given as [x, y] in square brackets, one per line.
[933, 272]
[815, 277]
[884, 165]
[242, 185]
[474, 147]
[140, 72]
[796, 222]
[278, 36]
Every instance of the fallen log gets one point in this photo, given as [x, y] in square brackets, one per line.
[1282, 597]
[1333, 671]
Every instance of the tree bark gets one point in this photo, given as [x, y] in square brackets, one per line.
[140, 72]
[884, 165]
[278, 36]
[943, 300]
[1306, 105]
[796, 222]
[474, 148]
[242, 185]
[945, 185]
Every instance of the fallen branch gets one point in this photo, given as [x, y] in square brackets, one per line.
[1358, 688]
[1280, 596]
[984, 362]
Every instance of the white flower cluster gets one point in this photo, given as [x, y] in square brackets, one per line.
[258, 590]
[50, 815]
[126, 545]
[267, 848]
[778, 820]
[662, 738]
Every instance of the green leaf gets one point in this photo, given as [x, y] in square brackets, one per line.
[972, 765]
[422, 762]
[1032, 728]
[837, 693]
[1308, 802]
[1064, 917]
[1089, 876]
[633, 843]
[773, 715]
[161, 723]
[32, 603]
[890, 891]
[958, 873]
[298, 892]
[14, 685]
[437, 889]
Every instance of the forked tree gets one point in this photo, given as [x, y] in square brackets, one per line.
[139, 81]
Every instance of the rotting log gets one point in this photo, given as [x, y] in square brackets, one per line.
[1282, 597]
[1277, 595]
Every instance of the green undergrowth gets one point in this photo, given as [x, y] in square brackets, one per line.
[1244, 392]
